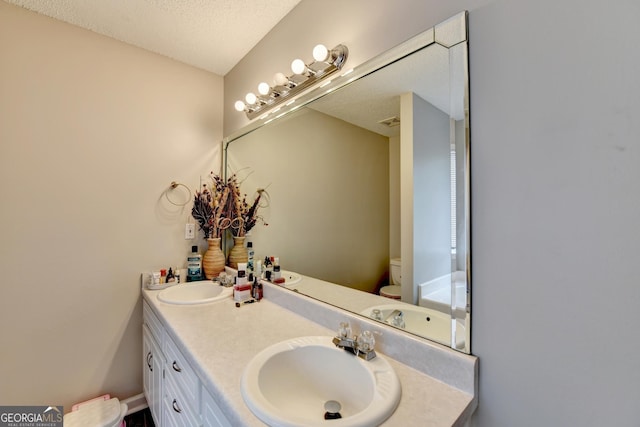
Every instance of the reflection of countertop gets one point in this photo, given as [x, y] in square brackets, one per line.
[341, 296]
[219, 340]
[360, 302]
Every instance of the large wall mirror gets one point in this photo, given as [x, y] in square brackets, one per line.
[368, 179]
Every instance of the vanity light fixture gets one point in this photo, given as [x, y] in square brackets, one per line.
[325, 63]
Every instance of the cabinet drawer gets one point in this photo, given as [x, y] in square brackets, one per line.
[178, 411]
[181, 372]
[151, 320]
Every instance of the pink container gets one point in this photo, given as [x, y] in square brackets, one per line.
[78, 405]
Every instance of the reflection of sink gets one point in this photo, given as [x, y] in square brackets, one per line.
[195, 293]
[288, 384]
[418, 320]
[290, 278]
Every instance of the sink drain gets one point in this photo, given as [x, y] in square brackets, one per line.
[332, 408]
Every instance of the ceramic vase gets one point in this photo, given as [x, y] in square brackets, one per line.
[213, 259]
[238, 252]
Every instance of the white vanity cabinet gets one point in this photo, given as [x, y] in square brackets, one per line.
[174, 392]
[211, 414]
[154, 362]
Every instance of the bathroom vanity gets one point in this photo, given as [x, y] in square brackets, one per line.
[198, 357]
[195, 355]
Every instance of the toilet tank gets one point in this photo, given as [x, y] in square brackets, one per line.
[395, 271]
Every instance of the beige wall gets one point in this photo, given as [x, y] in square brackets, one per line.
[92, 131]
[329, 187]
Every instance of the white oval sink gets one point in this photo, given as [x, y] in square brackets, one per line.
[289, 383]
[195, 293]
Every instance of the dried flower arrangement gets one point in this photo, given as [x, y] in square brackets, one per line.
[222, 206]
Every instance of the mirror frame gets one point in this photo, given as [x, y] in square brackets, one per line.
[449, 33]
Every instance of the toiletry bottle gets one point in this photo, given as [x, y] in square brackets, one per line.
[194, 265]
[268, 268]
[250, 255]
[259, 292]
[254, 288]
[241, 278]
[177, 274]
[257, 269]
[163, 276]
[171, 278]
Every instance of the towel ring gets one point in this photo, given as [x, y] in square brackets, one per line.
[173, 186]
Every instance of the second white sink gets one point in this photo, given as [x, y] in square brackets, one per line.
[291, 384]
[195, 293]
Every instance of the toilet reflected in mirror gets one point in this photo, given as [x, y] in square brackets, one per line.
[393, 290]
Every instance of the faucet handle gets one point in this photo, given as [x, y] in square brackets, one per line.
[344, 331]
[398, 320]
[365, 345]
[366, 341]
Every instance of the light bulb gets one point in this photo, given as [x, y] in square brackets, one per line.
[251, 98]
[263, 88]
[297, 66]
[320, 52]
[280, 79]
[239, 106]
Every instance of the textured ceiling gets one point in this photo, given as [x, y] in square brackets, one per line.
[209, 34]
[376, 97]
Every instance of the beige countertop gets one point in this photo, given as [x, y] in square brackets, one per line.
[219, 340]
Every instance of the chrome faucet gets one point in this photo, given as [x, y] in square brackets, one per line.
[395, 318]
[361, 345]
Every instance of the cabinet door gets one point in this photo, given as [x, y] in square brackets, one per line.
[212, 416]
[153, 360]
[147, 367]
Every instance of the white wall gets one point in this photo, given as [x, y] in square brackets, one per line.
[92, 132]
[426, 187]
[555, 200]
[394, 197]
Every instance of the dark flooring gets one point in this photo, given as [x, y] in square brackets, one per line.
[139, 419]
